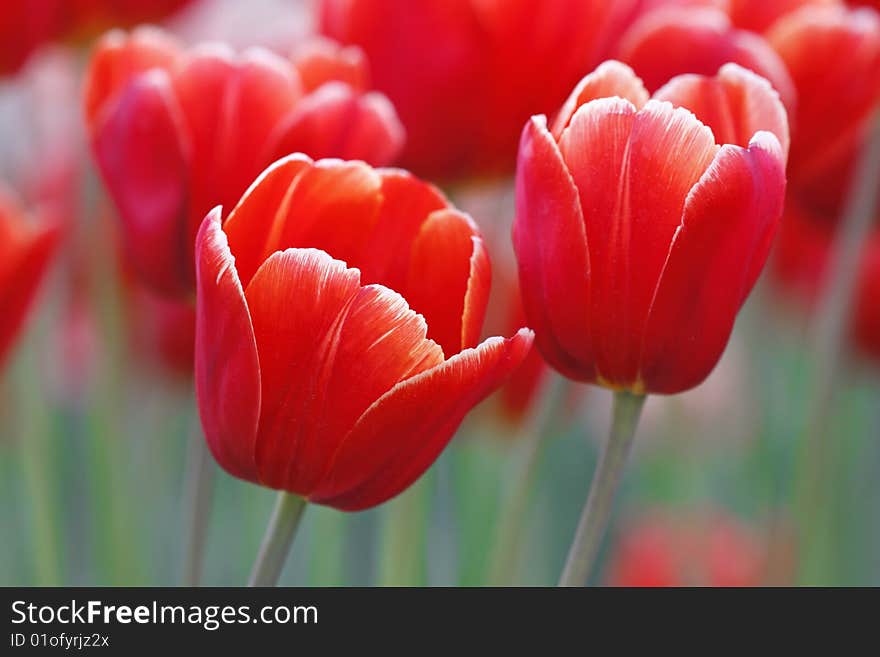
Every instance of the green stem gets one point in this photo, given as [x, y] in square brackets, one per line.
[404, 537]
[279, 535]
[199, 492]
[832, 324]
[597, 511]
[532, 436]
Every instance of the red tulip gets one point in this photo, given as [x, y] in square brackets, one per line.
[465, 74]
[673, 40]
[639, 237]
[710, 549]
[834, 58]
[175, 132]
[26, 247]
[341, 385]
[833, 55]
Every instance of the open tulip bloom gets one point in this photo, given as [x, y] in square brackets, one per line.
[641, 228]
[338, 313]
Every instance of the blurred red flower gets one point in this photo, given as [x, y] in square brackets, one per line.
[709, 549]
[27, 244]
[176, 132]
[466, 74]
[25, 25]
[638, 237]
[834, 57]
[339, 384]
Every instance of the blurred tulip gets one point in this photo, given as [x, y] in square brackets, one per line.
[176, 132]
[25, 25]
[316, 378]
[26, 247]
[638, 236]
[833, 55]
[466, 74]
[674, 40]
[705, 549]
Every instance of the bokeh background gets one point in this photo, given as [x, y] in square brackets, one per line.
[97, 414]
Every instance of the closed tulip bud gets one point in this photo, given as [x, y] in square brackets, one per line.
[338, 311]
[176, 132]
[641, 230]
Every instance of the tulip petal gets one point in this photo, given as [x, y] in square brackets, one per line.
[727, 228]
[380, 342]
[227, 369]
[449, 278]
[735, 104]
[610, 79]
[338, 121]
[551, 249]
[118, 58]
[328, 349]
[833, 55]
[677, 40]
[322, 60]
[232, 104]
[633, 172]
[142, 150]
[406, 204]
[296, 300]
[255, 224]
[401, 434]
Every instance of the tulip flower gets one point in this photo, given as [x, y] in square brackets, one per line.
[674, 40]
[639, 233]
[26, 248]
[176, 132]
[631, 218]
[338, 311]
[338, 384]
[833, 56]
[464, 74]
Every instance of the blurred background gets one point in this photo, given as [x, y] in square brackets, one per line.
[97, 412]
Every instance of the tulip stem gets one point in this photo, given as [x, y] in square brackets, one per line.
[279, 535]
[597, 510]
[199, 492]
[832, 324]
[531, 438]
